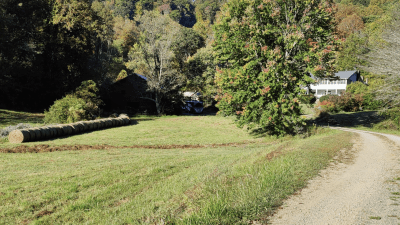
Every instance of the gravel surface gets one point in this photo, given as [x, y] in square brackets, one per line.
[363, 190]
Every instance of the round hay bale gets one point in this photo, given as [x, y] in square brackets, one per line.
[95, 125]
[69, 129]
[123, 116]
[82, 126]
[45, 132]
[121, 121]
[118, 121]
[78, 127]
[53, 132]
[126, 120]
[112, 122]
[60, 129]
[64, 129]
[32, 135]
[98, 124]
[109, 122]
[38, 134]
[74, 129]
[90, 125]
[49, 133]
[104, 122]
[57, 131]
[19, 136]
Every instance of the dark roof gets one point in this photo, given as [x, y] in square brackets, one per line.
[341, 74]
[345, 74]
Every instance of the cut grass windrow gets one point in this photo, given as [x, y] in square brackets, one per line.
[57, 148]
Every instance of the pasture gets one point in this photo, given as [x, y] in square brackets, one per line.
[161, 170]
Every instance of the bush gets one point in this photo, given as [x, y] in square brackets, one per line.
[325, 107]
[326, 97]
[308, 99]
[347, 102]
[82, 105]
[369, 101]
[88, 91]
[69, 109]
[392, 114]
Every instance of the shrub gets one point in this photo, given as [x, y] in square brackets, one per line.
[88, 91]
[348, 102]
[369, 101]
[323, 108]
[392, 114]
[66, 110]
[327, 106]
[82, 105]
[307, 99]
[326, 97]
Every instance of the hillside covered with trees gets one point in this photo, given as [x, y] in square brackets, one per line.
[49, 47]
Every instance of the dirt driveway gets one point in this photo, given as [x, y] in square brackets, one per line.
[364, 190]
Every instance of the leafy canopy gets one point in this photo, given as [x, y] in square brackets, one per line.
[265, 48]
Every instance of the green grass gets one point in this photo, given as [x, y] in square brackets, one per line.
[179, 130]
[374, 129]
[224, 185]
[9, 117]
[375, 217]
[307, 109]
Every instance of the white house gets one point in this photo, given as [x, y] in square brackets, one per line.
[333, 86]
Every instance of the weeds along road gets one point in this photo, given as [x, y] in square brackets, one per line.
[363, 190]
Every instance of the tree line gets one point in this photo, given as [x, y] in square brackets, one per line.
[48, 47]
[253, 67]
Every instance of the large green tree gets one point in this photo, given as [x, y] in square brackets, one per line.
[153, 56]
[265, 48]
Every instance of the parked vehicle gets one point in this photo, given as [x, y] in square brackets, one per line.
[193, 106]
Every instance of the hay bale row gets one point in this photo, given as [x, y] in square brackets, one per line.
[47, 132]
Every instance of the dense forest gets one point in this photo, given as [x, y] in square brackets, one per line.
[49, 47]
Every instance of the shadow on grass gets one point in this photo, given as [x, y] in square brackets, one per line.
[351, 120]
[8, 117]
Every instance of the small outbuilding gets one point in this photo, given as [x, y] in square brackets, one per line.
[129, 94]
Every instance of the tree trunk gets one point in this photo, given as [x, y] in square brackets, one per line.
[157, 101]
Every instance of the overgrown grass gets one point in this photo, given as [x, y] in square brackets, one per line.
[386, 126]
[225, 185]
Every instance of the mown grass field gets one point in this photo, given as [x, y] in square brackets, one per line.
[10, 117]
[211, 185]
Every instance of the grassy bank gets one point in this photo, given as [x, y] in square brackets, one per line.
[220, 185]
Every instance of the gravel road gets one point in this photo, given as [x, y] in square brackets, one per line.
[364, 190]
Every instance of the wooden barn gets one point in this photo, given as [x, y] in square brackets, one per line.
[128, 95]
